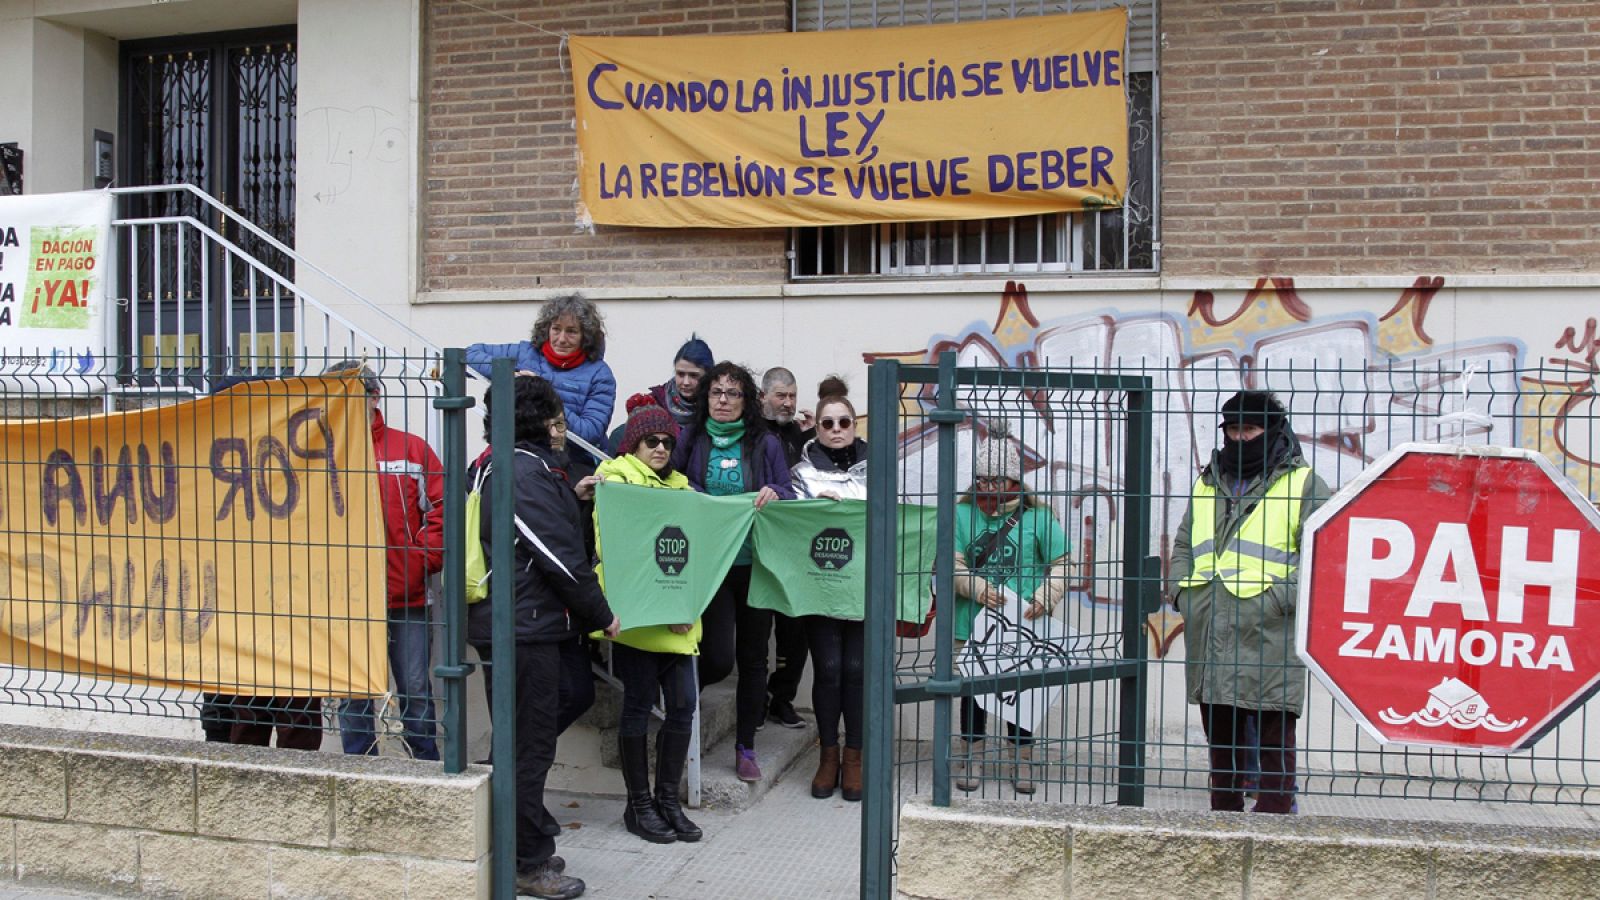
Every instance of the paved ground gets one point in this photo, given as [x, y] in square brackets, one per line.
[789, 845]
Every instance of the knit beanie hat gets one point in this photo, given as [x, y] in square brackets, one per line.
[997, 457]
[645, 421]
[1253, 408]
[696, 351]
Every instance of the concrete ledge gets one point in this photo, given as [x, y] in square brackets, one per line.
[176, 818]
[983, 848]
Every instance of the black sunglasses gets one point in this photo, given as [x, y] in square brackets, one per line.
[841, 422]
[653, 441]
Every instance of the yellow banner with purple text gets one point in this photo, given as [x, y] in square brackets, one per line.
[230, 544]
[969, 121]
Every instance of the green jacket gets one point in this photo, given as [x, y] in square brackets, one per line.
[1240, 652]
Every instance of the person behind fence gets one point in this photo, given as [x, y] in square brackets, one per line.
[729, 451]
[1010, 552]
[556, 595]
[833, 465]
[411, 483]
[1234, 562]
[677, 394]
[577, 675]
[655, 661]
[779, 397]
[567, 349]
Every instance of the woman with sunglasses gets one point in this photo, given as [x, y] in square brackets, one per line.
[833, 465]
[655, 661]
[726, 451]
[1009, 544]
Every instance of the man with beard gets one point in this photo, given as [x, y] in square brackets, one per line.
[779, 397]
[1235, 562]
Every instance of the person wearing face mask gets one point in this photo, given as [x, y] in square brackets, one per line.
[1008, 543]
[1235, 566]
[833, 466]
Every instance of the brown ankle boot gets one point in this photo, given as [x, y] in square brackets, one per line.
[827, 777]
[850, 777]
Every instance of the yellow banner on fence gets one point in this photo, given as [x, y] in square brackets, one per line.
[1000, 118]
[231, 544]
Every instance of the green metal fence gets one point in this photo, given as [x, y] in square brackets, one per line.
[1111, 452]
[410, 397]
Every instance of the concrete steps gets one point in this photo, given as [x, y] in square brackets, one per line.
[777, 748]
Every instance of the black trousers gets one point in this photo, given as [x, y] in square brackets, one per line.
[298, 721]
[577, 682]
[648, 676]
[837, 677]
[791, 639]
[1231, 752]
[537, 705]
[734, 631]
[975, 722]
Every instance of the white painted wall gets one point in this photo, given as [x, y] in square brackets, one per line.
[356, 196]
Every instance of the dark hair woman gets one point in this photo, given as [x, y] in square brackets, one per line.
[727, 450]
[833, 465]
[556, 595]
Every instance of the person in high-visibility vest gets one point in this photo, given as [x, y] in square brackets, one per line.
[1235, 565]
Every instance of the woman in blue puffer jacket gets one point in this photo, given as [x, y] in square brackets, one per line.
[567, 349]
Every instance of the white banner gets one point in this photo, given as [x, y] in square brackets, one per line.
[1004, 643]
[54, 262]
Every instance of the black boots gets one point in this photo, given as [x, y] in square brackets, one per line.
[672, 748]
[641, 816]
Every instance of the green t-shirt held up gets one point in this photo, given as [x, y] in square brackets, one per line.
[1020, 562]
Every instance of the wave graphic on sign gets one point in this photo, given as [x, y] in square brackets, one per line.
[1453, 702]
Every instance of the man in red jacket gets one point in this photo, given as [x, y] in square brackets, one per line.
[411, 481]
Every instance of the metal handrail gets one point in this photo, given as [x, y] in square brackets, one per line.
[279, 246]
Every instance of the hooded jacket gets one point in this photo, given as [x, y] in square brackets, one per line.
[411, 484]
[1240, 651]
[816, 472]
[588, 391]
[557, 594]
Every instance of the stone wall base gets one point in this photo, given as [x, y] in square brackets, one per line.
[983, 849]
[176, 818]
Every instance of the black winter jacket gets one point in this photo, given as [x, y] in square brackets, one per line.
[556, 591]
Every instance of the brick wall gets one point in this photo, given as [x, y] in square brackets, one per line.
[1380, 136]
[500, 158]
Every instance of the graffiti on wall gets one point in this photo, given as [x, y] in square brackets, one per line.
[1357, 382]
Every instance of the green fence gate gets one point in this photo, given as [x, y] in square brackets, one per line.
[1087, 670]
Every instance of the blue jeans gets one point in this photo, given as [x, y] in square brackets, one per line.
[409, 660]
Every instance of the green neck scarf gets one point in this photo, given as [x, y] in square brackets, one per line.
[724, 434]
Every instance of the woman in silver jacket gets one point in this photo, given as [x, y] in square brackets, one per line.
[833, 465]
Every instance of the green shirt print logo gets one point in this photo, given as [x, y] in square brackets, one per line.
[672, 550]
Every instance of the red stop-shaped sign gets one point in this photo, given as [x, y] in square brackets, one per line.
[1451, 597]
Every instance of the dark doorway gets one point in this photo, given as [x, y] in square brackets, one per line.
[216, 111]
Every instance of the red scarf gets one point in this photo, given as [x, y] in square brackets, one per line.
[571, 361]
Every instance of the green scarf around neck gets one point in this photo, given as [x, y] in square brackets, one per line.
[724, 434]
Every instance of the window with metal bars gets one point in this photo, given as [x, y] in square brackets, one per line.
[1111, 240]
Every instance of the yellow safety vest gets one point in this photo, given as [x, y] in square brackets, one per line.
[1262, 552]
